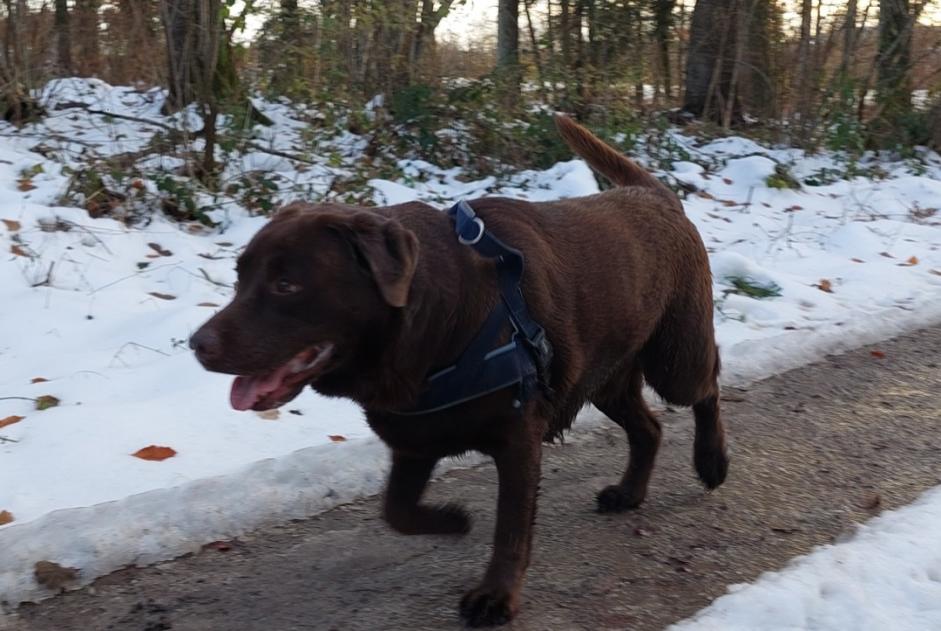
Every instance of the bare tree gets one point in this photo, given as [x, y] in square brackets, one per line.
[508, 57]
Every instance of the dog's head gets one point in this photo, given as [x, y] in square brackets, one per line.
[315, 285]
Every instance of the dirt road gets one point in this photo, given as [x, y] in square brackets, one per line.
[814, 451]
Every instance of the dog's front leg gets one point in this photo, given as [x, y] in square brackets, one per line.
[496, 600]
[407, 481]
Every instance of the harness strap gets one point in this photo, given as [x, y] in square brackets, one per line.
[483, 369]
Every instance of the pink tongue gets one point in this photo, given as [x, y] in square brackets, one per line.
[245, 392]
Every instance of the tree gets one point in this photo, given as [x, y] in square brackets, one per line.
[63, 37]
[891, 124]
[710, 61]
[87, 32]
[508, 56]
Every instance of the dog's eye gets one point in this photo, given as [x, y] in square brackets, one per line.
[283, 287]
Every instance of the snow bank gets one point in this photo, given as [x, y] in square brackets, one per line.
[888, 576]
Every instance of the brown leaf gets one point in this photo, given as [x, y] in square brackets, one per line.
[157, 294]
[25, 184]
[6, 517]
[870, 501]
[207, 304]
[269, 415]
[18, 250]
[912, 260]
[38, 380]
[46, 401]
[856, 260]
[877, 354]
[52, 575]
[154, 452]
[11, 225]
[791, 209]
[337, 438]
[727, 180]
[159, 249]
[220, 546]
[886, 254]
[705, 195]
[10, 420]
[825, 285]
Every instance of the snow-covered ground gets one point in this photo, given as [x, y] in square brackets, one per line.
[97, 314]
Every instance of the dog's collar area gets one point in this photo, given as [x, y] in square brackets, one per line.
[485, 366]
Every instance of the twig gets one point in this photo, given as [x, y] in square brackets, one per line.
[211, 280]
[48, 281]
[146, 270]
[4, 439]
[18, 399]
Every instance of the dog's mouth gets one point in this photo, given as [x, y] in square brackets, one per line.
[267, 391]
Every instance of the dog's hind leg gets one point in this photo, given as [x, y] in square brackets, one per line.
[623, 402]
[709, 452]
[402, 510]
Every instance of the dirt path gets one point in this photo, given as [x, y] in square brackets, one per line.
[814, 451]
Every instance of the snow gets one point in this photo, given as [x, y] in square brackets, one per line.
[888, 576]
[101, 314]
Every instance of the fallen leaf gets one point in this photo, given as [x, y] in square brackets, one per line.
[337, 438]
[10, 420]
[209, 256]
[6, 517]
[207, 304]
[220, 546]
[791, 209]
[154, 452]
[52, 575]
[25, 184]
[784, 530]
[269, 415]
[46, 401]
[38, 380]
[705, 195]
[729, 202]
[877, 354]
[870, 501]
[936, 272]
[641, 532]
[157, 294]
[11, 225]
[159, 249]
[825, 285]
[138, 184]
[856, 260]
[912, 260]
[886, 254]
[18, 250]
[727, 180]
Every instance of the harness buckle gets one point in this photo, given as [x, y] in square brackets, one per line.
[480, 233]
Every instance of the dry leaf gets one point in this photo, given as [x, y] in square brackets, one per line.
[25, 184]
[269, 415]
[154, 452]
[825, 285]
[936, 272]
[46, 401]
[221, 546]
[727, 180]
[886, 254]
[870, 501]
[912, 260]
[705, 195]
[6, 517]
[729, 202]
[11, 225]
[18, 250]
[10, 420]
[52, 575]
[337, 438]
[790, 209]
[38, 380]
[877, 354]
[856, 260]
[157, 294]
[159, 249]
[207, 304]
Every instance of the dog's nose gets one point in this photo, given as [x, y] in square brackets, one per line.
[207, 345]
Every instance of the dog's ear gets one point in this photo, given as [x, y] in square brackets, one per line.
[390, 252]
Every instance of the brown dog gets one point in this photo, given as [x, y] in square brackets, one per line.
[366, 303]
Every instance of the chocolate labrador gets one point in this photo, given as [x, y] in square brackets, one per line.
[489, 340]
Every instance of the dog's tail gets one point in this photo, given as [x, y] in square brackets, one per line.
[603, 158]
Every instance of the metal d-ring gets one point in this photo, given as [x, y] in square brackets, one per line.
[480, 233]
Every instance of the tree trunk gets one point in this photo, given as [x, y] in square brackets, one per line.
[710, 61]
[893, 80]
[63, 37]
[87, 27]
[662, 24]
[508, 56]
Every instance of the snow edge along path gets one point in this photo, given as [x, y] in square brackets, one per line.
[316, 479]
[887, 576]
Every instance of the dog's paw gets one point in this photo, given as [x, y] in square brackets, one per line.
[712, 465]
[615, 499]
[488, 606]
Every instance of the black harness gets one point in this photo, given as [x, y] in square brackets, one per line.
[483, 369]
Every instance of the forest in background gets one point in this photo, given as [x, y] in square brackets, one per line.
[848, 76]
